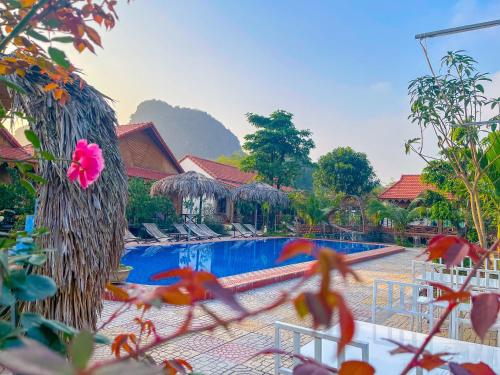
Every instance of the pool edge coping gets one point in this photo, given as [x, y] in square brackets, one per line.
[258, 279]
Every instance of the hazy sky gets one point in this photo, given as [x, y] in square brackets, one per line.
[341, 67]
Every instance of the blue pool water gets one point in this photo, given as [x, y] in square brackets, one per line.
[224, 258]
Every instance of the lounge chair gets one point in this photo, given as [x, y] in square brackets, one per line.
[197, 231]
[242, 230]
[129, 237]
[290, 228]
[182, 232]
[209, 231]
[156, 233]
[254, 231]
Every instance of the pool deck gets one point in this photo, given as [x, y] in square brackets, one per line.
[233, 351]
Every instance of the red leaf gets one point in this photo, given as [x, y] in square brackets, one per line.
[224, 295]
[346, 324]
[431, 361]
[449, 294]
[295, 248]
[178, 272]
[356, 368]
[451, 248]
[470, 369]
[475, 252]
[402, 348]
[118, 292]
[484, 312]
[322, 315]
[174, 366]
[310, 368]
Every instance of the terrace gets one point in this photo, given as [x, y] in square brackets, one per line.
[233, 351]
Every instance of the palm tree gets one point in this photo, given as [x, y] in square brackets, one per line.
[86, 226]
[399, 216]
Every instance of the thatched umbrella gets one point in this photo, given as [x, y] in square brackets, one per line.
[190, 185]
[259, 192]
[86, 226]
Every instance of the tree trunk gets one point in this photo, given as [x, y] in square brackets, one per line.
[86, 227]
[477, 217]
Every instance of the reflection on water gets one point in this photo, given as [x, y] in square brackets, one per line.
[223, 258]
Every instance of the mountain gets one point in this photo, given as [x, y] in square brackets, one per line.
[188, 131]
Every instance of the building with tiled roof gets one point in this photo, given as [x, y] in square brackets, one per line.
[224, 173]
[10, 148]
[143, 150]
[227, 174]
[402, 192]
[145, 153]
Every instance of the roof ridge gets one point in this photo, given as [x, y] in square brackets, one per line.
[216, 162]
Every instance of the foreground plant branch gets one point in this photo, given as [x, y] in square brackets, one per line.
[451, 305]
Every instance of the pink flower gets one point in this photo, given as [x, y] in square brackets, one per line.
[87, 163]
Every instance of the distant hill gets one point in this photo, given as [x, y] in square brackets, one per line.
[188, 131]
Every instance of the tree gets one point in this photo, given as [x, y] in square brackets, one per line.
[445, 103]
[277, 149]
[344, 170]
[399, 216]
[310, 207]
[142, 207]
[234, 159]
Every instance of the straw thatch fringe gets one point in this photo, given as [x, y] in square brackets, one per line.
[260, 192]
[189, 185]
[86, 226]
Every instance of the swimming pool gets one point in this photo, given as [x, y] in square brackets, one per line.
[222, 258]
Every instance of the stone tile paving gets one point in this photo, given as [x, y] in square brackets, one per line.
[232, 351]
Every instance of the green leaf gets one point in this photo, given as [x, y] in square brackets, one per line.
[24, 167]
[36, 287]
[32, 137]
[37, 259]
[36, 35]
[63, 39]
[12, 85]
[480, 88]
[81, 349]
[7, 298]
[6, 330]
[47, 155]
[37, 178]
[28, 186]
[59, 57]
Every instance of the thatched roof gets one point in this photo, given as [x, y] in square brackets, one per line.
[86, 226]
[260, 192]
[189, 185]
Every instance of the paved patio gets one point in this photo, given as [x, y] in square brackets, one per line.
[232, 351]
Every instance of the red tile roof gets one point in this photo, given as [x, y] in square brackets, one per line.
[227, 174]
[409, 187]
[13, 153]
[123, 130]
[147, 174]
[5, 134]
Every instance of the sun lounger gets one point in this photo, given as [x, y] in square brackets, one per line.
[291, 228]
[129, 237]
[156, 233]
[242, 230]
[197, 231]
[209, 231]
[183, 232]
[254, 231]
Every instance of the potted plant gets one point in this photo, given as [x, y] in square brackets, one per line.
[120, 275]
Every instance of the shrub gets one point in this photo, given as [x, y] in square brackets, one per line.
[143, 208]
